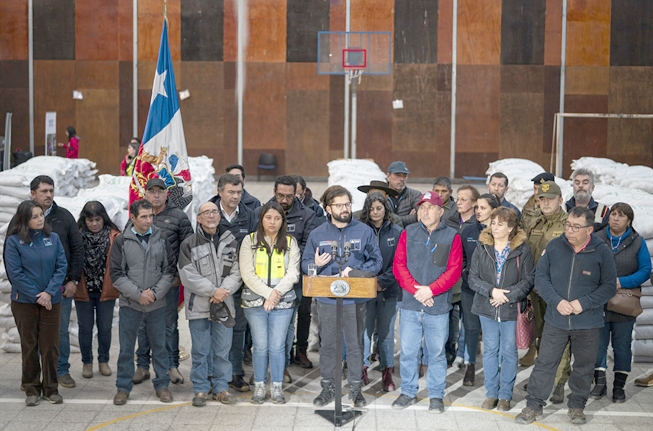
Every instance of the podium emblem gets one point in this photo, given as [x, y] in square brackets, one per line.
[340, 288]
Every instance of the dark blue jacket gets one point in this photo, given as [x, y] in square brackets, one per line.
[589, 276]
[365, 253]
[39, 266]
[387, 238]
[507, 204]
[250, 201]
[245, 222]
[469, 237]
[601, 220]
[300, 221]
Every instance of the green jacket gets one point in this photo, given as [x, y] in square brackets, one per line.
[530, 213]
[543, 229]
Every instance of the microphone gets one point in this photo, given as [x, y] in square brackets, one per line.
[334, 250]
[347, 250]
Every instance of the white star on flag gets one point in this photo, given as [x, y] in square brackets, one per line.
[159, 85]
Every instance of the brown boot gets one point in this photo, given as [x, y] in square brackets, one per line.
[301, 358]
[529, 358]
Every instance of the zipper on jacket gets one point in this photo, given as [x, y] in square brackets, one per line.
[571, 273]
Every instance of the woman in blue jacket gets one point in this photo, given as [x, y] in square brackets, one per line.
[382, 310]
[36, 266]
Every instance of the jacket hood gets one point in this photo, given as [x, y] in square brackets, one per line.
[486, 238]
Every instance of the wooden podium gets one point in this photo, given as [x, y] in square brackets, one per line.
[339, 288]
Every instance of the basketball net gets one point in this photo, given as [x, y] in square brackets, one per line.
[353, 74]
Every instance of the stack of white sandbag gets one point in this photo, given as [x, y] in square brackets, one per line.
[14, 188]
[520, 173]
[9, 340]
[351, 173]
[69, 175]
[202, 174]
[643, 333]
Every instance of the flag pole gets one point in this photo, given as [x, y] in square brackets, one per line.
[165, 10]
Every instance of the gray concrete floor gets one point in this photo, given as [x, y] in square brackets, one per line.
[89, 406]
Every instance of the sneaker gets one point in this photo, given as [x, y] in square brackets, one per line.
[529, 358]
[503, 405]
[558, 395]
[277, 394]
[183, 353]
[356, 396]
[199, 400]
[259, 393]
[53, 398]
[286, 376]
[388, 383]
[140, 375]
[104, 368]
[645, 381]
[489, 403]
[458, 362]
[225, 397]
[120, 399]
[32, 400]
[164, 395]
[577, 416]
[470, 374]
[175, 376]
[436, 405]
[87, 371]
[403, 401]
[527, 416]
[66, 381]
[238, 384]
[327, 395]
[301, 358]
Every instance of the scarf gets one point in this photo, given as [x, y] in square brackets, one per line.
[96, 248]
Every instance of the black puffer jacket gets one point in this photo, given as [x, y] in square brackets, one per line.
[63, 224]
[176, 227]
[483, 276]
[243, 224]
[387, 237]
[469, 237]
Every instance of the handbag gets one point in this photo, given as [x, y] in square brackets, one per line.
[526, 330]
[626, 301]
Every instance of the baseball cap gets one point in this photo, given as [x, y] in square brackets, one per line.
[432, 198]
[544, 176]
[155, 182]
[398, 167]
[218, 312]
[549, 189]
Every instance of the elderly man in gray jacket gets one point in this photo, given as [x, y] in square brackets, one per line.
[208, 268]
[142, 271]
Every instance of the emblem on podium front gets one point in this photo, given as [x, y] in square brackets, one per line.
[340, 288]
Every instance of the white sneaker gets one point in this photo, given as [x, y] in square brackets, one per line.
[259, 393]
[277, 394]
[458, 362]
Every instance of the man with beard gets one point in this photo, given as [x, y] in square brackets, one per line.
[583, 183]
[365, 257]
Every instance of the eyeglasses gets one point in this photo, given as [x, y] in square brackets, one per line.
[209, 213]
[341, 206]
[281, 197]
[575, 227]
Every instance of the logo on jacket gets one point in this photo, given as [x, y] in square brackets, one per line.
[391, 242]
[290, 228]
[47, 241]
[166, 220]
[587, 272]
[355, 244]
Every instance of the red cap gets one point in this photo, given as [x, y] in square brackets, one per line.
[432, 198]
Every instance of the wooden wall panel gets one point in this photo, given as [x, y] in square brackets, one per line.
[98, 124]
[267, 31]
[413, 127]
[229, 152]
[250, 163]
[16, 101]
[477, 113]
[54, 30]
[264, 109]
[445, 30]
[588, 33]
[126, 29]
[14, 74]
[553, 32]
[522, 79]
[522, 31]
[229, 32]
[126, 88]
[307, 132]
[96, 37]
[13, 36]
[584, 136]
[303, 76]
[304, 19]
[443, 124]
[474, 164]
[97, 74]
[587, 80]
[54, 82]
[479, 31]
[416, 31]
[202, 25]
[522, 126]
[374, 133]
[551, 104]
[423, 164]
[150, 25]
[202, 112]
[372, 16]
[631, 33]
[336, 115]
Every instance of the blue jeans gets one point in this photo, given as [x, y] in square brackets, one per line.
[210, 354]
[290, 336]
[88, 314]
[499, 352]
[435, 329]
[622, 336]
[237, 352]
[63, 366]
[269, 330]
[382, 312]
[130, 322]
[172, 334]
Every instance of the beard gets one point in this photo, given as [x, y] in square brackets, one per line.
[582, 195]
[342, 217]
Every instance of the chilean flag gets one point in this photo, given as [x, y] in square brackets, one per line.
[163, 150]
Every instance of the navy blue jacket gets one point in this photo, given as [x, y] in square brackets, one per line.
[589, 276]
[245, 222]
[387, 238]
[39, 266]
[469, 237]
[250, 201]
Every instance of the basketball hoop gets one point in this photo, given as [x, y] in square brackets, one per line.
[354, 63]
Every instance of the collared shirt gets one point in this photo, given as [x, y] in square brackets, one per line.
[47, 212]
[226, 216]
[589, 238]
[143, 238]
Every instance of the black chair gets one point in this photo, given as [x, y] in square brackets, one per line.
[267, 162]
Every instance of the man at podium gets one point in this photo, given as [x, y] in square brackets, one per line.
[344, 243]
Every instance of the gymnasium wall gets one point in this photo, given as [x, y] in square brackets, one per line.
[508, 79]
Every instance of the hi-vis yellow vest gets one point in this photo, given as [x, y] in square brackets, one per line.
[270, 269]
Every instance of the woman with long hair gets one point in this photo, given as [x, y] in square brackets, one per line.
[128, 162]
[36, 267]
[72, 146]
[633, 263]
[269, 265]
[501, 274]
[95, 297]
[382, 310]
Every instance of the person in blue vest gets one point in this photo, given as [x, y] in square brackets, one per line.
[364, 260]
